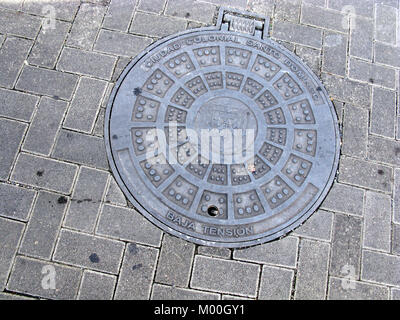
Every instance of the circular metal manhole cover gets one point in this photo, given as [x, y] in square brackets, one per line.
[222, 138]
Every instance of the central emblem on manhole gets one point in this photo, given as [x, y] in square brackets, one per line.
[221, 136]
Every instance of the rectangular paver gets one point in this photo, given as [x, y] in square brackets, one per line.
[44, 127]
[317, 226]
[87, 63]
[18, 105]
[346, 245]
[383, 112]
[96, 286]
[215, 274]
[324, 18]
[282, 252]
[396, 196]
[358, 7]
[43, 226]
[387, 54]
[84, 107]
[10, 235]
[12, 55]
[377, 221]
[372, 73]
[36, 278]
[365, 174]
[385, 24]
[355, 131]
[11, 136]
[292, 32]
[161, 26]
[288, 10]
[361, 37]
[275, 283]
[163, 292]
[19, 24]
[344, 289]
[312, 272]
[95, 253]
[81, 148]
[384, 150]
[86, 199]
[47, 82]
[175, 261]
[137, 273]
[15, 201]
[128, 224]
[43, 172]
[197, 11]
[334, 53]
[65, 10]
[380, 267]
[155, 6]
[119, 14]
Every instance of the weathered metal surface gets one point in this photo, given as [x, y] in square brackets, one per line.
[279, 149]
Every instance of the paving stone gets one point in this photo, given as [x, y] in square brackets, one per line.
[128, 225]
[358, 7]
[175, 262]
[372, 73]
[121, 65]
[114, 194]
[43, 226]
[347, 90]
[383, 112]
[10, 139]
[263, 7]
[365, 174]
[16, 104]
[12, 55]
[282, 252]
[225, 276]
[119, 14]
[334, 53]
[8, 296]
[320, 3]
[396, 196]
[214, 252]
[48, 45]
[137, 273]
[15, 201]
[44, 127]
[197, 11]
[396, 239]
[275, 284]
[81, 148]
[391, 3]
[346, 246]
[386, 54]
[343, 289]
[380, 267]
[19, 24]
[385, 24]
[161, 26]
[10, 235]
[355, 131]
[323, 18]
[296, 33]
[121, 44]
[155, 6]
[339, 107]
[361, 37]
[44, 173]
[317, 226]
[377, 221]
[384, 150]
[64, 10]
[311, 57]
[86, 199]
[312, 272]
[85, 105]
[87, 63]
[15, 5]
[96, 286]
[29, 275]
[86, 25]
[163, 292]
[47, 82]
[345, 199]
[88, 251]
[288, 10]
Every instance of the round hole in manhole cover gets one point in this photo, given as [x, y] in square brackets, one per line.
[221, 136]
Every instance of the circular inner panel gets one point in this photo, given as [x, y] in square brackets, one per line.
[222, 139]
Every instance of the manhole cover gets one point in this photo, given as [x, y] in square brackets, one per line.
[221, 136]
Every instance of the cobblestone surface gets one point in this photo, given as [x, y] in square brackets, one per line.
[61, 211]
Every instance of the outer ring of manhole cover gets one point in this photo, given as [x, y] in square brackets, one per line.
[212, 78]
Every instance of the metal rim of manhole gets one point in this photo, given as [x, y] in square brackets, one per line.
[221, 136]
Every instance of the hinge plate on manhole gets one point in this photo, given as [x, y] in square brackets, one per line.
[221, 136]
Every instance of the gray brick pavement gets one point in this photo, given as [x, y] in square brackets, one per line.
[59, 208]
